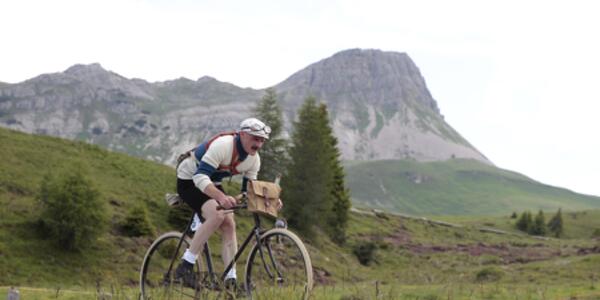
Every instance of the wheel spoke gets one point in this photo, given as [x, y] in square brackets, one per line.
[156, 280]
[283, 266]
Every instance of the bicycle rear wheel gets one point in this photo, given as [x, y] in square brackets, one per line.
[279, 266]
[158, 270]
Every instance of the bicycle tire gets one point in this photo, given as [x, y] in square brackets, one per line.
[153, 282]
[292, 274]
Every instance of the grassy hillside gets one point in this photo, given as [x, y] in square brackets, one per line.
[579, 224]
[454, 187]
[412, 258]
[25, 256]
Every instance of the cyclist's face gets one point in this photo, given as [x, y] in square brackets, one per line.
[251, 143]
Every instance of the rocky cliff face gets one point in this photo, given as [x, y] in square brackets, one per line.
[379, 103]
[151, 120]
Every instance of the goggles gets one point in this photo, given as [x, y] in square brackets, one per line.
[257, 128]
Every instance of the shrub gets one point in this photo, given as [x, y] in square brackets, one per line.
[179, 216]
[525, 221]
[555, 225]
[137, 222]
[365, 252]
[490, 260]
[538, 227]
[489, 274]
[72, 211]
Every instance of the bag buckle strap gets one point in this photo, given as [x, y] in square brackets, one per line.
[266, 196]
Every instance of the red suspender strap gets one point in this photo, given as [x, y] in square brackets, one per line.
[234, 154]
[234, 160]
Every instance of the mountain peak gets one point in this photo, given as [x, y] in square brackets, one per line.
[81, 69]
[204, 79]
[367, 53]
[95, 75]
[381, 107]
[384, 78]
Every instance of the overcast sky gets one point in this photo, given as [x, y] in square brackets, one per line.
[518, 79]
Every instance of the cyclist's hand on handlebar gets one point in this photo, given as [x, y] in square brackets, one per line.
[241, 197]
[227, 202]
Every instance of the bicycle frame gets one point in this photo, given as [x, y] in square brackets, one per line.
[254, 233]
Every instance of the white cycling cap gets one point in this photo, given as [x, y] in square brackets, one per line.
[255, 127]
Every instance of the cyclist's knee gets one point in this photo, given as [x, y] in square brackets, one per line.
[215, 216]
[210, 212]
[220, 216]
[228, 222]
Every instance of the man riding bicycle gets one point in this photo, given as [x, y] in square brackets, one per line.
[199, 179]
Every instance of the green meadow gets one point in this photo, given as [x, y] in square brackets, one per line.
[387, 256]
[454, 187]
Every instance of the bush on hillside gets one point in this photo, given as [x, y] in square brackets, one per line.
[179, 216]
[137, 222]
[489, 274]
[365, 252]
[555, 225]
[538, 227]
[525, 222]
[72, 210]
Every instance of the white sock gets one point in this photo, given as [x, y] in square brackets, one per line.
[189, 256]
[231, 273]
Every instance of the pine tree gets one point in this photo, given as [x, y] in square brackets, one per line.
[273, 152]
[306, 186]
[524, 222]
[539, 224]
[555, 225]
[338, 219]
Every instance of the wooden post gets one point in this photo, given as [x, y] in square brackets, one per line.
[13, 294]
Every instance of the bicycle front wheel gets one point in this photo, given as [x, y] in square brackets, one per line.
[279, 266]
[158, 269]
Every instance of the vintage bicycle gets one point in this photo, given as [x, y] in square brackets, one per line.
[277, 260]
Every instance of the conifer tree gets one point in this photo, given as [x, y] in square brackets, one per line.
[306, 186]
[524, 222]
[273, 152]
[338, 219]
[539, 224]
[555, 225]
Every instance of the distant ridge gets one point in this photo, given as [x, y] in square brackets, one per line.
[379, 103]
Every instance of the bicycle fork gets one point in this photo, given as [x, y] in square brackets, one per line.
[279, 277]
